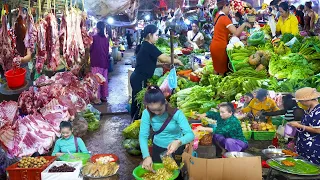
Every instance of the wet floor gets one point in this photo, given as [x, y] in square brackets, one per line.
[108, 138]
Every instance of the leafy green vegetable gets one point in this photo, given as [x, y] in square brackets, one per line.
[132, 131]
[299, 168]
[93, 125]
[286, 37]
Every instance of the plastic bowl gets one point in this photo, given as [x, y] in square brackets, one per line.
[78, 157]
[97, 156]
[15, 78]
[139, 171]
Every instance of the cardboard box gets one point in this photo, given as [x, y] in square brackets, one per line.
[248, 168]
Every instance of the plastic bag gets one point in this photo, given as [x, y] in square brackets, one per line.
[165, 87]
[132, 131]
[206, 140]
[291, 42]
[130, 143]
[256, 38]
[168, 161]
[80, 126]
[95, 111]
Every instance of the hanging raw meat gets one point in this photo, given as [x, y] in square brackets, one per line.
[31, 36]
[41, 44]
[20, 31]
[87, 40]
[6, 51]
[52, 42]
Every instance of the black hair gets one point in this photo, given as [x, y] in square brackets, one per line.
[284, 6]
[238, 14]
[101, 26]
[221, 4]
[301, 7]
[274, 3]
[249, 94]
[270, 9]
[149, 29]
[289, 102]
[308, 4]
[65, 124]
[261, 94]
[154, 95]
[195, 22]
[229, 106]
[292, 8]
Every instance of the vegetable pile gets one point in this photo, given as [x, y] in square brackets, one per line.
[91, 118]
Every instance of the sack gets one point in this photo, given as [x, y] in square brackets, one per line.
[206, 140]
[80, 127]
[132, 131]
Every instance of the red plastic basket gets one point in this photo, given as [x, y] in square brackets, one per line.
[16, 173]
[15, 78]
[97, 156]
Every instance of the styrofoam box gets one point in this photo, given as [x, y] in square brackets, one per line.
[45, 175]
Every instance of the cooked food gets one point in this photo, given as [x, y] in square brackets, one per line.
[100, 170]
[169, 163]
[105, 159]
[288, 163]
[290, 153]
[162, 173]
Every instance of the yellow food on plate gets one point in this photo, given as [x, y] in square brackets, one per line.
[288, 163]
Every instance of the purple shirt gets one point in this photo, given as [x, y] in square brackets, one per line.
[99, 52]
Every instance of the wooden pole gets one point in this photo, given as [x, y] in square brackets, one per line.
[171, 46]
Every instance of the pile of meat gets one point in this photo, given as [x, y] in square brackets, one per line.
[42, 108]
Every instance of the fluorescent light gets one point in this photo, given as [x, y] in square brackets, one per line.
[147, 17]
[110, 20]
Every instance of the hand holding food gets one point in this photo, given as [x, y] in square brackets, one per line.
[147, 164]
[173, 146]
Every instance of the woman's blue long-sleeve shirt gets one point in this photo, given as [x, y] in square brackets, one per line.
[63, 145]
[177, 129]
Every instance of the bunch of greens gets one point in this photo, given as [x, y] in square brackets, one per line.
[140, 98]
[153, 80]
[292, 66]
[286, 37]
[93, 122]
[132, 131]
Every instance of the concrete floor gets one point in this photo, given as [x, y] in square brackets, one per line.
[115, 118]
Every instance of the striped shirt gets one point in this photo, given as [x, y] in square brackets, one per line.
[289, 116]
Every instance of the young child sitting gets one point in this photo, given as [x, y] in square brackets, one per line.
[228, 133]
[68, 141]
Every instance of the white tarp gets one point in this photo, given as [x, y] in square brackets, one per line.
[103, 8]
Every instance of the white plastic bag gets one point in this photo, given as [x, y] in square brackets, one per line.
[272, 24]
[291, 42]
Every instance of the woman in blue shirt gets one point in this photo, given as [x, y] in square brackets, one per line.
[68, 141]
[170, 136]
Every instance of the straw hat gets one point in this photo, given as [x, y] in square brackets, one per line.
[306, 93]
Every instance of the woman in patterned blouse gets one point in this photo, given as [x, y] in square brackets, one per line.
[308, 143]
[228, 133]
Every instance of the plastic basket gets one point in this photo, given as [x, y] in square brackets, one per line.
[97, 156]
[78, 157]
[263, 135]
[247, 134]
[139, 171]
[16, 173]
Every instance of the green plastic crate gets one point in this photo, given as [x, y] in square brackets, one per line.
[263, 135]
[247, 134]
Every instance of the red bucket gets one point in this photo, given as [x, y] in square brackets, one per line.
[15, 78]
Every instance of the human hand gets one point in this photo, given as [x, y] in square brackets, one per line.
[177, 61]
[201, 116]
[246, 24]
[59, 154]
[295, 124]
[147, 164]
[173, 146]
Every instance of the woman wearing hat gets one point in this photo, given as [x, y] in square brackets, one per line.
[223, 27]
[261, 103]
[308, 143]
[147, 59]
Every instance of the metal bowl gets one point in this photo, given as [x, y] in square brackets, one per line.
[233, 154]
[273, 152]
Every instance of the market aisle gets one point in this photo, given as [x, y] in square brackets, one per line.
[108, 139]
[118, 87]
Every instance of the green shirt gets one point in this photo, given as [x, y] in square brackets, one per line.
[229, 128]
[63, 145]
